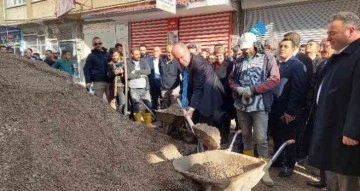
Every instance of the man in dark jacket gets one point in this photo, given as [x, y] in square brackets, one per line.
[335, 141]
[301, 117]
[49, 58]
[155, 77]
[326, 52]
[200, 85]
[289, 95]
[95, 70]
[312, 50]
[170, 71]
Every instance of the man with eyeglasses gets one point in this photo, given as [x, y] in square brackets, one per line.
[325, 52]
[95, 70]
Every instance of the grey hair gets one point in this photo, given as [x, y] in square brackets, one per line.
[349, 19]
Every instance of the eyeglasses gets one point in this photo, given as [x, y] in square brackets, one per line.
[99, 43]
[324, 46]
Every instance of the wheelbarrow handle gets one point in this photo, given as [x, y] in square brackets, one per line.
[238, 132]
[276, 155]
[147, 108]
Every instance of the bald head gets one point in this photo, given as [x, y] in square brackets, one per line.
[182, 54]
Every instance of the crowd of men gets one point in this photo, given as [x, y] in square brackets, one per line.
[309, 93]
[283, 93]
[51, 58]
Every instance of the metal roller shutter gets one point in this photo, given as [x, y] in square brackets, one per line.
[308, 19]
[206, 30]
[151, 33]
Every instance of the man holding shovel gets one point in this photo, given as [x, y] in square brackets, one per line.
[138, 70]
[201, 88]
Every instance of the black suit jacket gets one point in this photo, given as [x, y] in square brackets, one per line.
[205, 90]
[152, 68]
[306, 60]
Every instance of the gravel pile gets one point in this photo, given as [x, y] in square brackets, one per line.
[208, 135]
[56, 136]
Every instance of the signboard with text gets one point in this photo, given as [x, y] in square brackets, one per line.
[166, 5]
[173, 30]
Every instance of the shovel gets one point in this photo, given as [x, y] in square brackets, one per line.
[147, 108]
[200, 147]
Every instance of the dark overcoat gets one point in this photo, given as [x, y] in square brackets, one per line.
[338, 114]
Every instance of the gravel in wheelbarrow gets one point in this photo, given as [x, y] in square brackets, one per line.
[171, 115]
[174, 109]
[208, 135]
[213, 170]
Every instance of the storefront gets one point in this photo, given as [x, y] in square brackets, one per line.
[308, 18]
[206, 30]
[204, 22]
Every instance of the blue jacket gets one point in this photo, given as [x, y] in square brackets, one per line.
[290, 92]
[96, 66]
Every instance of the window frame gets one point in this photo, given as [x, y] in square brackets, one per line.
[14, 3]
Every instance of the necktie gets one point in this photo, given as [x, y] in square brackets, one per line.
[184, 88]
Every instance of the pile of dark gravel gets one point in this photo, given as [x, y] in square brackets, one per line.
[56, 136]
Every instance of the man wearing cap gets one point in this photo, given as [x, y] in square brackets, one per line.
[255, 73]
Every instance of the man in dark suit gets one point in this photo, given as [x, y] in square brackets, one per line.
[287, 105]
[335, 141]
[200, 85]
[302, 116]
[155, 77]
[326, 52]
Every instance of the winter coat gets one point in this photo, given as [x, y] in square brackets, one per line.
[144, 70]
[290, 92]
[96, 66]
[338, 114]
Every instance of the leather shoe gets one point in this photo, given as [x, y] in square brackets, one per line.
[316, 184]
[285, 171]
